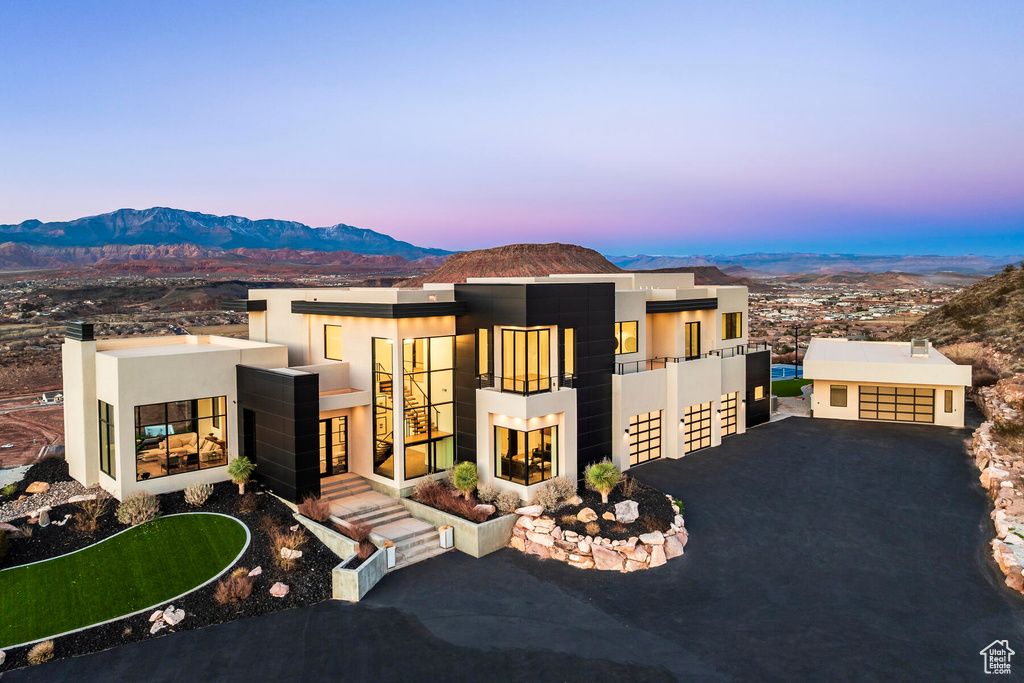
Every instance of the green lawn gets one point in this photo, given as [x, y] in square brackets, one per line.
[144, 566]
[788, 387]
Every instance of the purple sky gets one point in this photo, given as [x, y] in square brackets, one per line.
[627, 127]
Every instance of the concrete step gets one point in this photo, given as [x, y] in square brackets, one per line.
[405, 530]
[379, 516]
[333, 491]
[422, 553]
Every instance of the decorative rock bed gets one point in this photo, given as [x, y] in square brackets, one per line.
[537, 533]
[1002, 476]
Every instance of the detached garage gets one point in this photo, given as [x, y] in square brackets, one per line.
[886, 382]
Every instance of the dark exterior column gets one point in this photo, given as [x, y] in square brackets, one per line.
[285, 409]
[759, 373]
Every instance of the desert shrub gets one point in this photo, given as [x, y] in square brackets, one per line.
[568, 520]
[440, 497]
[601, 477]
[679, 505]
[357, 531]
[1010, 433]
[267, 524]
[564, 487]
[281, 538]
[90, 512]
[9, 490]
[41, 652]
[249, 503]
[546, 497]
[465, 478]
[424, 484]
[627, 484]
[487, 493]
[235, 588]
[618, 528]
[506, 502]
[448, 479]
[26, 530]
[983, 377]
[197, 494]
[365, 549]
[138, 508]
[593, 528]
[654, 524]
[316, 508]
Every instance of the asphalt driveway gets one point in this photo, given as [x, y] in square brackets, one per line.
[819, 550]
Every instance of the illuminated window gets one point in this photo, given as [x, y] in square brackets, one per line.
[180, 436]
[732, 325]
[107, 460]
[526, 457]
[949, 400]
[332, 342]
[483, 352]
[569, 351]
[625, 337]
[759, 392]
[526, 362]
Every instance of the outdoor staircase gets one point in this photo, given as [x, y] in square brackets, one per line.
[354, 501]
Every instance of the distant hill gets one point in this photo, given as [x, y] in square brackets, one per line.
[183, 257]
[887, 280]
[990, 311]
[162, 226]
[518, 260]
[788, 263]
[712, 275]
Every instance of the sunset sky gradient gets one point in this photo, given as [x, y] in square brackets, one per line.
[664, 128]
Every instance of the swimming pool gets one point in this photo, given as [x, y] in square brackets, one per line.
[780, 371]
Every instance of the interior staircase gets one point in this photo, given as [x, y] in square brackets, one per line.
[414, 539]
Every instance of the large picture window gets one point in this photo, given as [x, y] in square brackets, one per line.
[180, 436]
[383, 408]
[428, 377]
[526, 457]
[332, 342]
[837, 395]
[526, 360]
[625, 337]
[732, 325]
[107, 459]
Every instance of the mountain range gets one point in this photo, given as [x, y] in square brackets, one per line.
[161, 226]
[776, 264]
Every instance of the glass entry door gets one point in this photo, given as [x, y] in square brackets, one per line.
[692, 340]
[333, 446]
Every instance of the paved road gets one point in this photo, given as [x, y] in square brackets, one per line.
[820, 550]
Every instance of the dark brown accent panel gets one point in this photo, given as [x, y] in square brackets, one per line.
[80, 331]
[364, 310]
[243, 305]
[677, 305]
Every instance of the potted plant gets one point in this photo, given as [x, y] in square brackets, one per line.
[464, 477]
[240, 469]
[602, 477]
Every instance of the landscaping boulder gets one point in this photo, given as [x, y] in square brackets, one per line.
[627, 511]
[637, 554]
[173, 616]
[82, 497]
[586, 515]
[37, 487]
[575, 500]
[1015, 580]
[518, 543]
[531, 510]
[256, 572]
[44, 518]
[673, 547]
[3, 656]
[485, 508]
[606, 559]
[658, 555]
[653, 538]
[540, 538]
[525, 522]
[538, 550]
[279, 590]
[609, 516]
[157, 615]
[157, 625]
[9, 528]
[289, 554]
[633, 565]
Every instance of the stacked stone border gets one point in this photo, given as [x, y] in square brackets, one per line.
[537, 534]
[1002, 476]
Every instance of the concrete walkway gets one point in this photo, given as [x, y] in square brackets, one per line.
[819, 551]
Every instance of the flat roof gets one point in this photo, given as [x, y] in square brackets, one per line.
[138, 347]
[845, 351]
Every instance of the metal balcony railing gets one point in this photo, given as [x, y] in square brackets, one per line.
[659, 362]
[514, 385]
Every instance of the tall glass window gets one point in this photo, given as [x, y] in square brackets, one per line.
[692, 341]
[332, 342]
[383, 409]
[483, 352]
[526, 457]
[107, 460]
[427, 379]
[569, 352]
[180, 436]
[625, 337]
[732, 325]
[525, 360]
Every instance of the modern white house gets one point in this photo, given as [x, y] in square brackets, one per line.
[886, 381]
[529, 378]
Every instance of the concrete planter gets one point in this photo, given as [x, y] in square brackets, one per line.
[349, 584]
[353, 584]
[471, 538]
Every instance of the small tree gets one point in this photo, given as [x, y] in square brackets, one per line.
[601, 477]
[240, 470]
[464, 478]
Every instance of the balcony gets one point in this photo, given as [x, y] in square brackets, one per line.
[657, 363]
[524, 386]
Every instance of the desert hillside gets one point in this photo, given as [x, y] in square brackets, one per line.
[518, 260]
[990, 312]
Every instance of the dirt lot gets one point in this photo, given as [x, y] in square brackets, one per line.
[29, 430]
[23, 372]
[237, 331]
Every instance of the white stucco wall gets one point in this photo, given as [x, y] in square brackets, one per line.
[821, 402]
